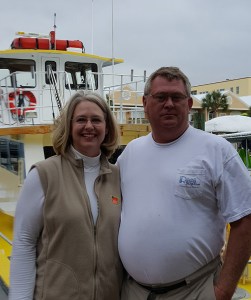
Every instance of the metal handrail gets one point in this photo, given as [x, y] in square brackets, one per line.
[118, 106]
[53, 85]
[4, 237]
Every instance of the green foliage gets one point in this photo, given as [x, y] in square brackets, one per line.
[214, 102]
[109, 100]
[199, 120]
[248, 113]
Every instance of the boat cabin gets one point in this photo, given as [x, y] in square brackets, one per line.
[36, 80]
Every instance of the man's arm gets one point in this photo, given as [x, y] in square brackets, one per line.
[237, 255]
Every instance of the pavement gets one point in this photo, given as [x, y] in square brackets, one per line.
[3, 295]
[239, 294]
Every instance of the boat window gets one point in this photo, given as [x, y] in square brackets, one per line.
[50, 65]
[48, 151]
[81, 76]
[12, 156]
[116, 154]
[17, 73]
[4, 73]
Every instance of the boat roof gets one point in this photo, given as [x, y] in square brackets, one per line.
[107, 61]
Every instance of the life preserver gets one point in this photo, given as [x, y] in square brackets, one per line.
[18, 102]
[45, 44]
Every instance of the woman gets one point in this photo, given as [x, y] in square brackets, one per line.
[68, 212]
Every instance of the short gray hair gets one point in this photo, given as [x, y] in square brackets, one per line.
[169, 73]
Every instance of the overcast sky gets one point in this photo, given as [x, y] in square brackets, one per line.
[210, 40]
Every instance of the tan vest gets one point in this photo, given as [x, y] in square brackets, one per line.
[75, 259]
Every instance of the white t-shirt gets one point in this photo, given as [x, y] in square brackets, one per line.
[177, 198]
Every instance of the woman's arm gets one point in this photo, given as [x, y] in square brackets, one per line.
[27, 228]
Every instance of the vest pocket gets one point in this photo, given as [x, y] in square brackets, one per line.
[59, 282]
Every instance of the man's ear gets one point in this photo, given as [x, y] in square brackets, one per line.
[190, 102]
[144, 103]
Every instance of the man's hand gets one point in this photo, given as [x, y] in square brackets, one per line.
[220, 294]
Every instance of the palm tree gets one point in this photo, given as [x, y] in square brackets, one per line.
[215, 102]
[247, 113]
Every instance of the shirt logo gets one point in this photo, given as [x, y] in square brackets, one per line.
[190, 182]
[115, 200]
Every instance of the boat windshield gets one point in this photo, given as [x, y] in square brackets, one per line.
[80, 75]
[17, 73]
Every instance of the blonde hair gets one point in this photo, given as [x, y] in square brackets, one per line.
[61, 137]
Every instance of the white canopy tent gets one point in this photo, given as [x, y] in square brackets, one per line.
[228, 124]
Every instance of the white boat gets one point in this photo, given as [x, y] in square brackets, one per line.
[37, 76]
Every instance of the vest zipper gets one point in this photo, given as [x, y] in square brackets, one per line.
[95, 241]
[95, 262]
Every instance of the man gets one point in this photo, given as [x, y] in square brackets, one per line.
[180, 188]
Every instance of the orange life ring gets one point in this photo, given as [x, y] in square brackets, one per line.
[17, 102]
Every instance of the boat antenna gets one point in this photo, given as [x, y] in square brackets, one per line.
[112, 38]
[92, 26]
[113, 108]
[54, 26]
[53, 35]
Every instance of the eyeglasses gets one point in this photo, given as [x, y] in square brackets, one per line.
[163, 97]
[95, 121]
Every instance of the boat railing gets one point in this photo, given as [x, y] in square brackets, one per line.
[53, 84]
[4, 237]
[49, 99]
[122, 92]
